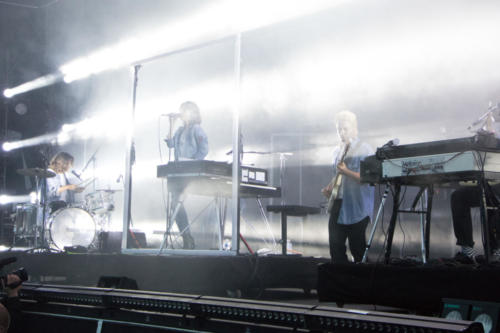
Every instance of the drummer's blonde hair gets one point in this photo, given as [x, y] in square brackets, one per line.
[60, 156]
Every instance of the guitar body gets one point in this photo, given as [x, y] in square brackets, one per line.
[337, 182]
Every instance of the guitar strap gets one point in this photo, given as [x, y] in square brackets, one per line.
[337, 203]
[351, 149]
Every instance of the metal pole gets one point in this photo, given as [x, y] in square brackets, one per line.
[423, 215]
[375, 223]
[235, 242]
[129, 160]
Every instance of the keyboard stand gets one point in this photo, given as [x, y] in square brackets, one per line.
[425, 218]
[429, 189]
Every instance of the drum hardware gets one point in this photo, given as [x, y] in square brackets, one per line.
[73, 226]
[30, 218]
[25, 220]
[100, 201]
[100, 204]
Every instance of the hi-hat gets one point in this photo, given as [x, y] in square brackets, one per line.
[36, 172]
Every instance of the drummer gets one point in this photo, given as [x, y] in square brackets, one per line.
[60, 191]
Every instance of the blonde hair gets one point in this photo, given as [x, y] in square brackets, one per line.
[346, 115]
[349, 117]
[60, 156]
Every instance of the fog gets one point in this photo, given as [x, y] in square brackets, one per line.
[414, 70]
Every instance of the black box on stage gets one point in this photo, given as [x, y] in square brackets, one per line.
[112, 241]
[117, 282]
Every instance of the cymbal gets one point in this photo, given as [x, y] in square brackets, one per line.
[36, 172]
[108, 190]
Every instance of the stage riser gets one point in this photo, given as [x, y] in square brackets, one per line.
[420, 287]
[212, 275]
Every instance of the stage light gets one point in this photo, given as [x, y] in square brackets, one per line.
[33, 197]
[7, 146]
[8, 93]
[8, 199]
[63, 137]
[37, 83]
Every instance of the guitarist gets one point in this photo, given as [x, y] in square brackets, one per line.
[351, 201]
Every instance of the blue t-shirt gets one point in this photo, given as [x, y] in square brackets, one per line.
[357, 198]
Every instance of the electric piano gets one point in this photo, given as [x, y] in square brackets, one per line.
[435, 162]
[427, 164]
[214, 178]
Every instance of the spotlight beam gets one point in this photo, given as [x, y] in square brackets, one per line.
[225, 19]
[37, 83]
[47, 138]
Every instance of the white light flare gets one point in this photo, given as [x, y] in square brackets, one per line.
[9, 199]
[47, 138]
[110, 124]
[37, 83]
[220, 20]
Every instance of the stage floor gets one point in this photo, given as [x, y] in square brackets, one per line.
[240, 275]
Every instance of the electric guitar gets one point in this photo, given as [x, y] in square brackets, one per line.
[337, 181]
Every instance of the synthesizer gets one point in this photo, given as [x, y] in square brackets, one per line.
[435, 162]
[214, 178]
[206, 168]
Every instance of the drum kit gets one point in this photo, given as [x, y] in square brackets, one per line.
[75, 225]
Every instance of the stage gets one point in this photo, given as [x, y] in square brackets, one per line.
[314, 284]
[207, 275]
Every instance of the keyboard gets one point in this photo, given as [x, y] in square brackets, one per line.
[435, 162]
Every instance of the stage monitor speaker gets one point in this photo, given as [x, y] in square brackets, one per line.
[117, 282]
[485, 313]
[110, 242]
[455, 309]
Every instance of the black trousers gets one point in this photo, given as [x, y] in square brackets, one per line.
[181, 218]
[339, 233]
[462, 200]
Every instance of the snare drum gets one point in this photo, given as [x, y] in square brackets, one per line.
[26, 218]
[71, 227]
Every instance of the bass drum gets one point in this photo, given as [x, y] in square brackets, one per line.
[71, 227]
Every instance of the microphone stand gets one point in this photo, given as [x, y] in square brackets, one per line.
[485, 118]
[169, 214]
[92, 158]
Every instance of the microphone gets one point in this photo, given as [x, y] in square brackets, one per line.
[171, 115]
[75, 174]
[391, 143]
